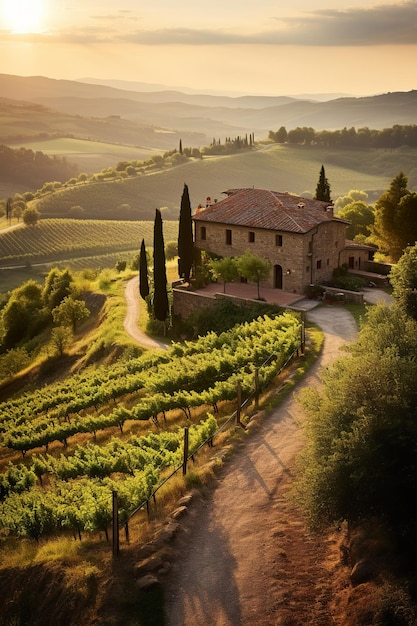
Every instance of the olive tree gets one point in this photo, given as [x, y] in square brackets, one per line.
[70, 312]
[31, 216]
[61, 338]
[253, 268]
[224, 269]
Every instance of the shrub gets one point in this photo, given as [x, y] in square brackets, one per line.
[223, 315]
[343, 280]
[121, 266]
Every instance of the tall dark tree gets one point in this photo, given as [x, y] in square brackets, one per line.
[143, 272]
[9, 209]
[185, 237]
[160, 299]
[323, 187]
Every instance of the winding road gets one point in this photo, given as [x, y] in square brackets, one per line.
[244, 556]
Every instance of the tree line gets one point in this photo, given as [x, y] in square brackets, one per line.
[388, 138]
[230, 145]
[24, 166]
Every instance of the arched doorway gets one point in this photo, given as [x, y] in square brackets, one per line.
[277, 276]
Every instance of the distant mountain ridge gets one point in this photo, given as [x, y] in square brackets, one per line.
[210, 115]
[139, 86]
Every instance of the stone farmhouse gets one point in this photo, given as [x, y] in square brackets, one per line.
[301, 237]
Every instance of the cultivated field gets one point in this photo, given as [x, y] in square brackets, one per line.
[61, 240]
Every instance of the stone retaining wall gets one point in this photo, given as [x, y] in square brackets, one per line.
[348, 296]
[187, 302]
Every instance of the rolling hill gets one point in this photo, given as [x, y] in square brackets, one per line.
[96, 126]
[279, 167]
[209, 115]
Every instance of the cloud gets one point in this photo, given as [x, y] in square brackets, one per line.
[378, 25]
[393, 24]
[121, 15]
[187, 36]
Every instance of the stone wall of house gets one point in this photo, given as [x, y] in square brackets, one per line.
[297, 260]
[355, 258]
[325, 243]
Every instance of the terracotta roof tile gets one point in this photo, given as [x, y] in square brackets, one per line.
[272, 210]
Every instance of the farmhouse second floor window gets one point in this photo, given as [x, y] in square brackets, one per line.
[228, 237]
[251, 237]
[278, 240]
[318, 265]
[203, 233]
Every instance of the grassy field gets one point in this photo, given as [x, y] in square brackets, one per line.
[282, 168]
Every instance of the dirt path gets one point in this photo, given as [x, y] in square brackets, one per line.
[132, 315]
[245, 557]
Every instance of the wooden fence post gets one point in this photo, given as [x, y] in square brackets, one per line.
[303, 332]
[115, 525]
[184, 464]
[257, 388]
[239, 402]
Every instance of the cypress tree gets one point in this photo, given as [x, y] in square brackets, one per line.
[160, 299]
[185, 237]
[9, 210]
[143, 272]
[323, 187]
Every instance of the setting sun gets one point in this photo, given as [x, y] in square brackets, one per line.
[23, 16]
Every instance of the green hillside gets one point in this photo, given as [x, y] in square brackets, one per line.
[90, 156]
[54, 240]
[282, 168]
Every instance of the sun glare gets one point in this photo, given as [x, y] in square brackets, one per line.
[23, 16]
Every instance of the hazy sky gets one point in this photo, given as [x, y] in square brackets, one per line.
[244, 46]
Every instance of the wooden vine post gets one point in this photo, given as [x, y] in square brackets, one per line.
[239, 402]
[116, 547]
[185, 457]
[303, 332]
[256, 388]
